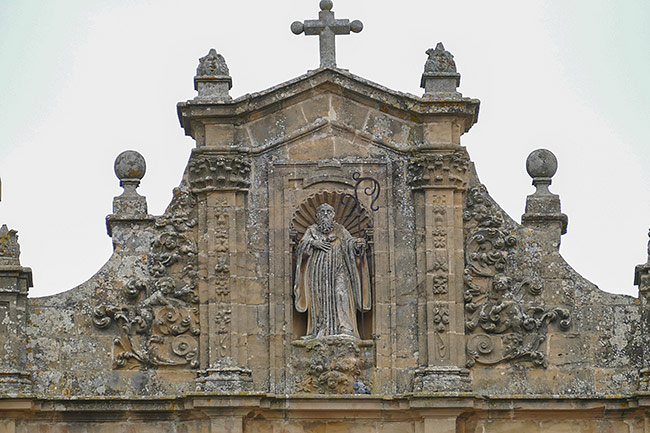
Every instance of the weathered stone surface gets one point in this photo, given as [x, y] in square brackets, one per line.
[474, 323]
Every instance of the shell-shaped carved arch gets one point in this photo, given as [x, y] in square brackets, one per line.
[345, 214]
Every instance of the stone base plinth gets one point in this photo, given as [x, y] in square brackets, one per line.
[336, 364]
[15, 382]
[224, 379]
[441, 379]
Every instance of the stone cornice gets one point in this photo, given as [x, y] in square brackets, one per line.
[337, 81]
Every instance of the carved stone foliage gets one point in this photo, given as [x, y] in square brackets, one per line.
[158, 314]
[449, 169]
[441, 324]
[505, 315]
[218, 172]
[331, 365]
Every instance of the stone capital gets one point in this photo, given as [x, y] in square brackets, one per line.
[441, 170]
[218, 172]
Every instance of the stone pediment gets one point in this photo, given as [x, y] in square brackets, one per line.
[259, 121]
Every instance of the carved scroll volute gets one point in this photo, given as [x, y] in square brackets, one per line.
[438, 182]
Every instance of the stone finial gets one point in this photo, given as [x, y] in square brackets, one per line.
[212, 79]
[327, 27]
[128, 207]
[9, 248]
[541, 165]
[440, 76]
[130, 168]
[543, 210]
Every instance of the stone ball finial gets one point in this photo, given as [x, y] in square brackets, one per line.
[326, 5]
[130, 165]
[541, 163]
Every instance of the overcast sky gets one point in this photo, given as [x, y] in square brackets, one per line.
[83, 80]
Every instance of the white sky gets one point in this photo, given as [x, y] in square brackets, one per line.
[83, 80]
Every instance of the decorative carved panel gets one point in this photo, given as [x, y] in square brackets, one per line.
[505, 315]
[158, 316]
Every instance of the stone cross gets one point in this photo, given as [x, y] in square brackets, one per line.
[327, 27]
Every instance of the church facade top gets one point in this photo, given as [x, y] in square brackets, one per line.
[330, 261]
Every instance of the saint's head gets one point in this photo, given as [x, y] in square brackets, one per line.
[325, 216]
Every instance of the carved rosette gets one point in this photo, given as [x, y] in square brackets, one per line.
[505, 314]
[158, 315]
[448, 170]
[209, 172]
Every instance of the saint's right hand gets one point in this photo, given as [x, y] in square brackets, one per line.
[323, 245]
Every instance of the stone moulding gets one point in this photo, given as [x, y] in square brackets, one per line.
[13, 382]
[337, 81]
[224, 379]
[441, 379]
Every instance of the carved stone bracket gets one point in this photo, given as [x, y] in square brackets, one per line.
[449, 170]
[505, 314]
[158, 314]
[214, 172]
[332, 365]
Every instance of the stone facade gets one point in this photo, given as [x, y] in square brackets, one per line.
[475, 322]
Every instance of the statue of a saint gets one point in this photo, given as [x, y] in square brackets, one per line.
[332, 281]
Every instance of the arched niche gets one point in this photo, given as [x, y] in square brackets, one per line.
[359, 224]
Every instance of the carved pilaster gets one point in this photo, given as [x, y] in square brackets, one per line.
[438, 182]
[220, 182]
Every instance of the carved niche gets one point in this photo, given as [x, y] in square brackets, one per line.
[332, 364]
[158, 316]
[505, 314]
